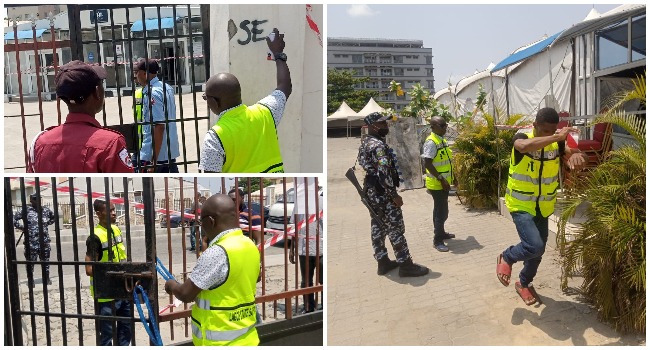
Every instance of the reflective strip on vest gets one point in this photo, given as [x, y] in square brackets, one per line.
[527, 197]
[219, 335]
[445, 175]
[444, 162]
[527, 178]
[203, 304]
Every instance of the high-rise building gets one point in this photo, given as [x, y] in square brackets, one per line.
[406, 61]
[26, 13]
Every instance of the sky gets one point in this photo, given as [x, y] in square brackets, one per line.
[213, 183]
[464, 38]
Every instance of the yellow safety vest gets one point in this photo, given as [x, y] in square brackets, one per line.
[226, 315]
[250, 140]
[137, 112]
[534, 180]
[119, 252]
[442, 163]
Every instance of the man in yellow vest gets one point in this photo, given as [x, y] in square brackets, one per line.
[530, 196]
[437, 161]
[106, 246]
[223, 283]
[245, 139]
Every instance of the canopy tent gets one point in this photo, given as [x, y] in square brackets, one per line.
[152, 24]
[341, 118]
[371, 107]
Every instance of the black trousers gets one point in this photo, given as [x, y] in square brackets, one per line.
[309, 299]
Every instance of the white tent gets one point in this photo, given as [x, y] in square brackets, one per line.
[370, 107]
[341, 118]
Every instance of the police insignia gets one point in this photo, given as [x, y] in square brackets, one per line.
[125, 157]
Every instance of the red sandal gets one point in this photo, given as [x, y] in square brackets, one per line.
[527, 294]
[503, 269]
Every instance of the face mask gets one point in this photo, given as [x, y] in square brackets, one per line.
[381, 132]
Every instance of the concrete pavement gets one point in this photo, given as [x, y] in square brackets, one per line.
[460, 302]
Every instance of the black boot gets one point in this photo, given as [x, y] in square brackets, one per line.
[385, 264]
[410, 269]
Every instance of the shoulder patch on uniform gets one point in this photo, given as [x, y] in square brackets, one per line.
[125, 157]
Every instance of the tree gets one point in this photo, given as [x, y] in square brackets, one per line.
[255, 184]
[422, 104]
[341, 87]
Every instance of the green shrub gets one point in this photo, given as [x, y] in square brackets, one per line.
[479, 152]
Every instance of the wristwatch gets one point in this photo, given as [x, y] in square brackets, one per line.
[280, 56]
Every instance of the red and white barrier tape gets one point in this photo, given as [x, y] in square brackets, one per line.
[291, 233]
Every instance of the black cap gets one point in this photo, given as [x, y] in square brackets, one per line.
[77, 80]
[34, 196]
[148, 65]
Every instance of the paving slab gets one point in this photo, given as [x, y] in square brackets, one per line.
[460, 302]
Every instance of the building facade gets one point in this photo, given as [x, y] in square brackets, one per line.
[382, 60]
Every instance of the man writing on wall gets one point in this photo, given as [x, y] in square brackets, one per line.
[245, 139]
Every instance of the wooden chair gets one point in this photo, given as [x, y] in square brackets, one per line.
[596, 149]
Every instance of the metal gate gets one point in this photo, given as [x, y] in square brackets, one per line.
[64, 313]
[115, 37]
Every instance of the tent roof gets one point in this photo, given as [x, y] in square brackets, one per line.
[343, 112]
[589, 25]
[523, 54]
[25, 34]
[370, 107]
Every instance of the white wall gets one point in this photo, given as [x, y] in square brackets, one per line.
[301, 129]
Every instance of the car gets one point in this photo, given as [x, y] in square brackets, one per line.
[175, 219]
[276, 212]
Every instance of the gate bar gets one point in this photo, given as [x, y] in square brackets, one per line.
[73, 213]
[91, 227]
[41, 255]
[57, 232]
[20, 94]
[30, 274]
[150, 239]
[10, 250]
[127, 224]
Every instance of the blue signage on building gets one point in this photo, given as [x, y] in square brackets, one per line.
[91, 57]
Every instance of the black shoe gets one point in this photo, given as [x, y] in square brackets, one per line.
[410, 269]
[192, 249]
[385, 264]
[448, 235]
[441, 247]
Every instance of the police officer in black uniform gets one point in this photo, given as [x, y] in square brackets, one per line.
[380, 185]
[33, 249]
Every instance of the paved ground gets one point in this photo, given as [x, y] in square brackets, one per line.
[460, 302]
[13, 136]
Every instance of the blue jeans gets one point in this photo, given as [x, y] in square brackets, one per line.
[122, 308]
[533, 232]
[440, 213]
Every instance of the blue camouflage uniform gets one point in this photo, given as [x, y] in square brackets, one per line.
[33, 249]
[380, 184]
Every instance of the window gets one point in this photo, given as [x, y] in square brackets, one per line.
[430, 84]
[386, 72]
[429, 72]
[356, 59]
[416, 57]
[399, 71]
[337, 56]
[417, 69]
[429, 59]
[398, 59]
[409, 69]
[638, 38]
[372, 72]
[345, 56]
[612, 45]
[385, 59]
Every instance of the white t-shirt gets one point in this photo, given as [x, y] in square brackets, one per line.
[212, 153]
